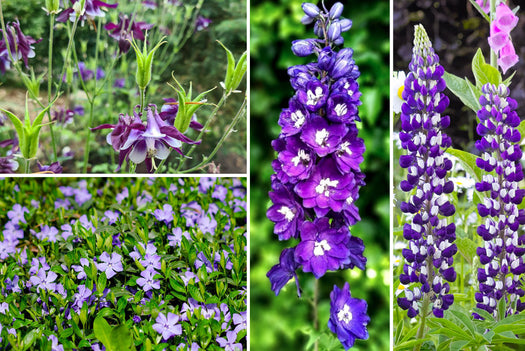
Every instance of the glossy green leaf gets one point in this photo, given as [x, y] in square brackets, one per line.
[461, 88]
[483, 72]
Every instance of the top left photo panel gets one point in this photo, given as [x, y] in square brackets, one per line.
[123, 86]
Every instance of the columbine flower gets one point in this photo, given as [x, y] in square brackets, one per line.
[348, 318]
[201, 23]
[167, 325]
[20, 46]
[124, 31]
[110, 264]
[428, 267]
[92, 9]
[501, 253]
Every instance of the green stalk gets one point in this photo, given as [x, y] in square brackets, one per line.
[26, 166]
[236, 119]
[493, 55]
[422, 325]
[210, 118]
[50, 82]
[315, 312]
[91, 104]
[68, 51]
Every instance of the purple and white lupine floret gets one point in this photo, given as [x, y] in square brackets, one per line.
[502, 250]
[429, 255]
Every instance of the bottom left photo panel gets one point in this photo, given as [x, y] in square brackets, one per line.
[123, 263]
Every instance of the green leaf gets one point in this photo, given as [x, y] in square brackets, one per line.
[468, 161]
[463, 90]
[483, 72]
[121, 339]
[102, 331]
[30, 338]
[465, 320]
[480, 10]
[467, 248]
[229, 68]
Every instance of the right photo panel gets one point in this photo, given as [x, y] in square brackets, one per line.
[457, 95]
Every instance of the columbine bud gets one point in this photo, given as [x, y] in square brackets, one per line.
[52, 6]
[79, 8]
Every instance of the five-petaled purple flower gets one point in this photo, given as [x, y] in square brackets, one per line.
[167, 325]
[125, 30]
[20, 46]
[110, 264]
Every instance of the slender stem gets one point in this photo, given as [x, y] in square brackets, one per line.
[91, 104]
[68, 51]
[26, 166]
[207, 159]
[315, 312]
[422, 325]
[50, 81]
[210, 118]
[492, 14]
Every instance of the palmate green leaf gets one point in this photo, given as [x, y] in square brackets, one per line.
[483, 72]
[468, 161]
[463, 89]
[449, 329]
[409, 345]
[465, 320]
[467, 248]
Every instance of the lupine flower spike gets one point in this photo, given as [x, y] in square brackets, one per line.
[502, 252]
[429, 255]
[317, 173]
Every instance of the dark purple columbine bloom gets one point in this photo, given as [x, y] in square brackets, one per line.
[20, 46]
[285, 270]
[93, 8]
[125, 30]
[348, 318]
[322, 248]
[167, 325]
[201, 23]
[54, 168]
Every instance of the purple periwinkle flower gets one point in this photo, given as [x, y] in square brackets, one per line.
[16, 214]
[166, 214]
[348, 318]
[44, 280]
[429, 255]
[146, 280]
[502, 252]
[230, 342]
[110, 264]
[167, 325]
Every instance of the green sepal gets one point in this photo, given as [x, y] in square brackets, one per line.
[229, 69]
[240, 71]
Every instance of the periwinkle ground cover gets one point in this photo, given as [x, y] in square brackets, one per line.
[95, 81]
[146, 264]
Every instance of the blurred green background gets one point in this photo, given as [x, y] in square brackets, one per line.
[284, 322]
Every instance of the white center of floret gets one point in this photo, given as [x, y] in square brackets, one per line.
[287, 213]
[345, 315]
[345, 148]
[340, 109]
[321, 137]
[324, 185]
[314, 97]
[320, 247]
[298, 118]
[302, 156]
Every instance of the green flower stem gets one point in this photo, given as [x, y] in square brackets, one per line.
[207, 159]
[206, 125]
[26, 166]
[315, 312]
[68, 52]
[423, 312]
[91, 102]
[50, 81]
[493, 55]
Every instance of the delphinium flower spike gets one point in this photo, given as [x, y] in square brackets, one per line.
[317, 173]
[502, 251]
[429, 255]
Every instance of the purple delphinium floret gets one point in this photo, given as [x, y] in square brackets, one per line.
[167, 325]
[285, 270]
[110, 264]
[501, 254]
[429, 255]
[348, 318]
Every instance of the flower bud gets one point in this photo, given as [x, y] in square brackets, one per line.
[346, 24]
[334, 31]
[310, 9]
[336, 10]
[303, 48]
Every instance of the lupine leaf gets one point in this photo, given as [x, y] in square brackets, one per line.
[460, 87]
[483, 72]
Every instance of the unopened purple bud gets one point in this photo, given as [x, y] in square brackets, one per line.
[310, 9]
[336, 10]
[345, 24]
[307, 19]
[334, 31]
[303, 47]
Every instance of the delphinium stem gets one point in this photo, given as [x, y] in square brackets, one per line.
[315, 312]
[50, 81]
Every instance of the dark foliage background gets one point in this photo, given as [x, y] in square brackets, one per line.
[456, 30]
[282, 322]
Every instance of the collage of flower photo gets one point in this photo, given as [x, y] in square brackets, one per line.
[259, 175]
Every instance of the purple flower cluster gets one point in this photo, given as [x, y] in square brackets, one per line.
[20, 46]
[317, 170]
[429, 256]
[502, 253]
[139, 142]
